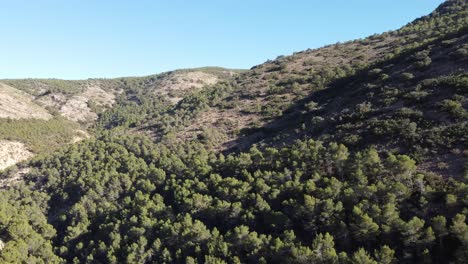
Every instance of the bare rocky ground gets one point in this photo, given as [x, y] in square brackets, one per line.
[12, 152]
[81, 135]
[178, 83]
[77, 108]
[16, 104]
[16, 178]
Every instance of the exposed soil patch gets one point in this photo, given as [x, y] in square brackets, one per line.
[78, 107]
[176, 84]
[16, 104]
[12, 152]
[221, 125]
[16, 178]
[99, 96]
[81, 135]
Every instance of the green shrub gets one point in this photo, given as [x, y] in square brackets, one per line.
[406, 76]
[39, 135]
[454, 108]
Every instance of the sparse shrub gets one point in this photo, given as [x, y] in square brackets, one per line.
[460, 53]
[422, 60]
[383, 77]
[450, 199]
[409, 112]
[364, 108]
[455, 108]
[352, 140]
[312, 106]
[422, 63]
[406, 76]
[317, 121]
[417, 95]
[375, 72]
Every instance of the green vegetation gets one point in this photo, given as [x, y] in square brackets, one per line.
[416, 111]
[305, 203]
[46, 86]
[352, 153]
[219, 71]
[39, 135]
[25, 233]
[136, 109]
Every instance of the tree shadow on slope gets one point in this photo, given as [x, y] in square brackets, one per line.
[413, 103]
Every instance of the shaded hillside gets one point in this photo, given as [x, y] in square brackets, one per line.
[413, 103]
[262, 94]
[402, 91]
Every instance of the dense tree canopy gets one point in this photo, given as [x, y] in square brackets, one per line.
[124, 199]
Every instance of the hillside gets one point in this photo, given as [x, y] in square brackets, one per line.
[381, 88]
[414, 103]
[15, 104]
[82, 100]
[11, 153]
[351, 153]
[264, 93]
[50, 113]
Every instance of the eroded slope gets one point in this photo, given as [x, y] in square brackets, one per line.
[16, 104]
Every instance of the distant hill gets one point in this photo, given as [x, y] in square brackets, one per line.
[75, 105]
[82, 100]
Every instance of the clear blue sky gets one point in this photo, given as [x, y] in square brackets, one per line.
[76, 39]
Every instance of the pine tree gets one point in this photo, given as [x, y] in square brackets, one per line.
[362, 257]
[385, 255]
[363, 228]
[459, 228]
[323, 248]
